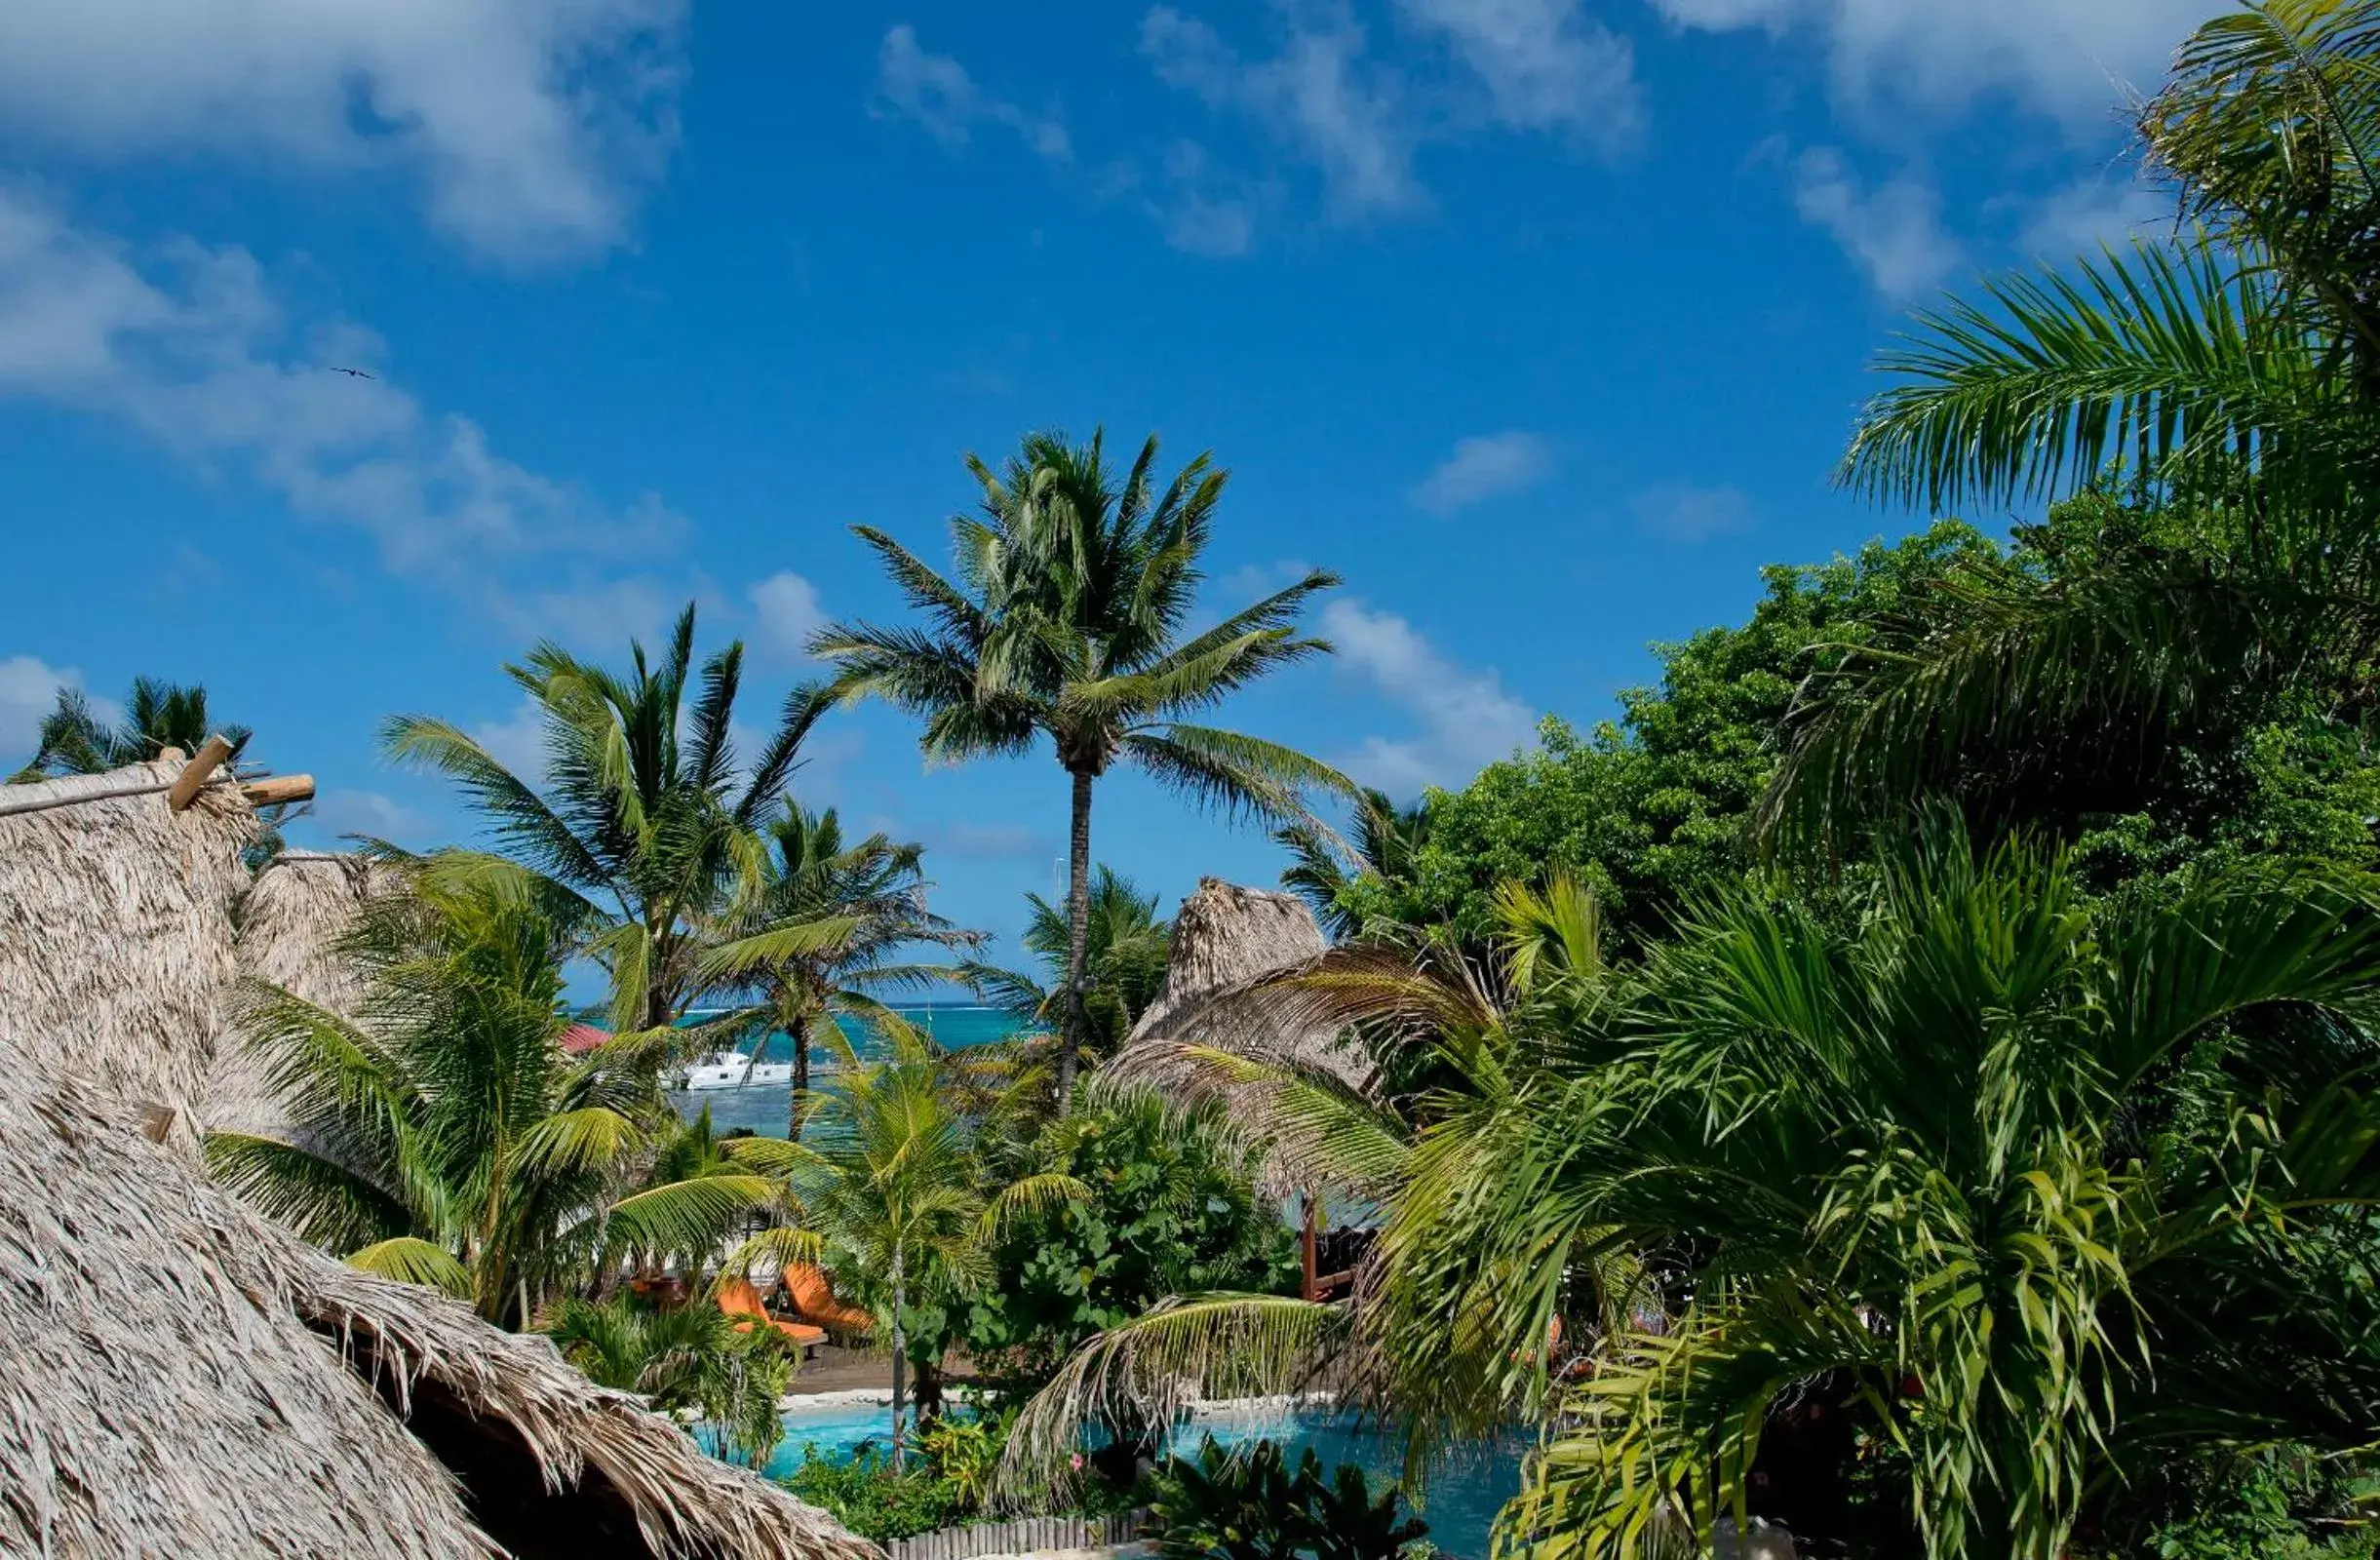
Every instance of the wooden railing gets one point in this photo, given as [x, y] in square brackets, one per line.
[1019, 1536]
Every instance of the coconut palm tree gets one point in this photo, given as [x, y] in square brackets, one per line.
[1066, 617]
[1123, 962]
[2234, 367]
[821, 938]
[157, 716]
[683, 1357]
[645, 821]
[895, 1195]
[1385, 842]
[443, 1136]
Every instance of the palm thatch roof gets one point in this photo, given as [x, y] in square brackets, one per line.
[179, 1375]
[1230, 949]
[290, 923]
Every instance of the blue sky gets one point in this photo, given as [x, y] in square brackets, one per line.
[1541, 320]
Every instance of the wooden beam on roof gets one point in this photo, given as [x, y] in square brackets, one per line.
[194, 777]
[279, 791]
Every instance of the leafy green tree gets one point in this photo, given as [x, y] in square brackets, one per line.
[443, 1137]
[157, 716]
[1172, 1210]
[2230, 371]
[821, 939]
[1066, 620]
[1651, 810]
[645, 823]
[1123, 963]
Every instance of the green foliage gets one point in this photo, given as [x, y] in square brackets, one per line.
[75, 740]
[2274, 1505]
[1067, 620]
[1649, 810]
[1251, 1504]
[689, 1357]
[866, 1493]
[1125, 950]
[1171, 1210]
[644, 822]
[443, 1135]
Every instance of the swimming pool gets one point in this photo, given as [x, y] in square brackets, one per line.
[1465, 1489]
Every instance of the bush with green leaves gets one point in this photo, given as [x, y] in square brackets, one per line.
[683, 1357]
[1251, 1504]
[1172, 1210]
[865, 1495]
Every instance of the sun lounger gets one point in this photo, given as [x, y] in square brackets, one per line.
[808, 1296]
[737, 1297]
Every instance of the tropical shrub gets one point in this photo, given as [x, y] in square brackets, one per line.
[875, 1499]
[1171, 1210]
[686, 1357]
[1252, 1504]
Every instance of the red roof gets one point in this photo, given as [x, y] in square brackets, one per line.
[580, 1038]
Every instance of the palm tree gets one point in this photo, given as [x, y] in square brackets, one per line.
[818, 941]
[683, 1357]
[1385, 842]
[896, 1194]
[2235, 369]
[157, 716]
[1066, 620]
[644, 822]
[2028, 1193]
[1123, 962]
[443, 1136]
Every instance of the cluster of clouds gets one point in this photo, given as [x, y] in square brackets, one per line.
[1346, 97]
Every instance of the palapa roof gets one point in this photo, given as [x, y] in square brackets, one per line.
[181, 1376]
[1229, 945]
[290, 922]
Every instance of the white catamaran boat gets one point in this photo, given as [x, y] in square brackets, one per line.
[732, 1070]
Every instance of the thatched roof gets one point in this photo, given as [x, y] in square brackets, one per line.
[1227, 943]
[291, 922]
[181, 1376]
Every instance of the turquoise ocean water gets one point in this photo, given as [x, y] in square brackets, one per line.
[762, 1107]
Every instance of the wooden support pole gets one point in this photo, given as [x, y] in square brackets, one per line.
[185, 790]
[279, 791]
[1307, 1241]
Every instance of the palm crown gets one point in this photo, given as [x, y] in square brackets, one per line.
[645, 819]
[1073, 589]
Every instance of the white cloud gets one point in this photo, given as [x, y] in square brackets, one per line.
[187, 348]
[517, 741]
[531, 122]
[785, 613]
[342, 811]
[1483, 467]
[1689, 514]
[28, 691]
[1894, 230]
[1467, 719]
[1546, 64]
[1319, 95]
[1203, 210]
[2065, 58]
[936, 91]
[2084, 219]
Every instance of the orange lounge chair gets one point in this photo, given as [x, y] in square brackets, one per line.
[808, 1296]
[737, 1297]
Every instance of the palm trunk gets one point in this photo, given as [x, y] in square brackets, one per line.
[797, 1031]
[1077, 937]
[899, 1358]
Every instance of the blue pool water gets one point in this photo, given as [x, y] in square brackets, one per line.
[1463, 1495]
[762, 1107]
